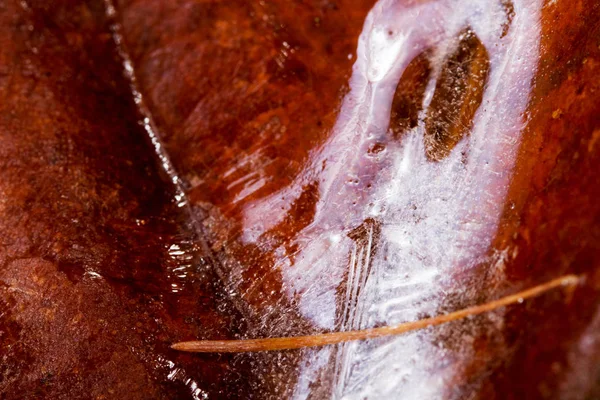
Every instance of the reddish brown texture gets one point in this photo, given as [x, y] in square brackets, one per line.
[457, 96]
[551, 225]
[226, 135]
[231, 80]
[87, 217]
[552, 215]
[241, 93]
[408, 97]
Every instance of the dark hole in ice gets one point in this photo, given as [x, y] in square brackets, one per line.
[376, 148]
[509, 10]
[408, 98]
[458, 94]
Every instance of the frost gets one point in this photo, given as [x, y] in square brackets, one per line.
[437, 219]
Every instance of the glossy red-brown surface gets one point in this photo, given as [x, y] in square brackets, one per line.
[242, 92]
[552, 216]
[93, 278]
[241, 133]
[101, 269]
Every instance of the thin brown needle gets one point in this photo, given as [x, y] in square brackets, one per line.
[296, 342]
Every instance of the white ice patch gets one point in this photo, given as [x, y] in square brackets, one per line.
[438, 218]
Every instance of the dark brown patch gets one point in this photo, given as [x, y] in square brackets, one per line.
[408, 98]
[509, 10]
[457, 96]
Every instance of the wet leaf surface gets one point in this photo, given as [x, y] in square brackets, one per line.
[324, 166]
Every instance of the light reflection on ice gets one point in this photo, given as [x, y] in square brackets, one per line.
[437, 218]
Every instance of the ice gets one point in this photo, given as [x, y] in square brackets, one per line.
[437, 218]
